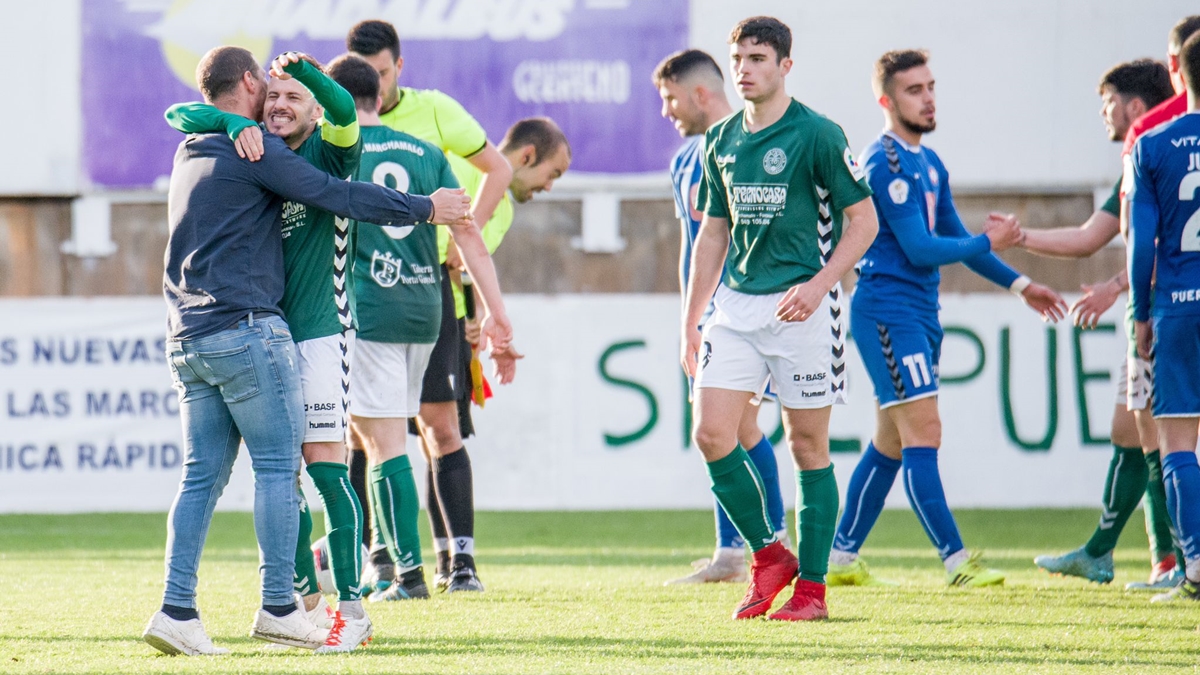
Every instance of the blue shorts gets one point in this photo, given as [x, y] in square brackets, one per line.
[901, 351]
[1176, 366]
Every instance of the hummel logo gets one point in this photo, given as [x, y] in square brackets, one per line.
[726, 159]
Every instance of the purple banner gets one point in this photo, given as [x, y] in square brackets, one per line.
[584, 63]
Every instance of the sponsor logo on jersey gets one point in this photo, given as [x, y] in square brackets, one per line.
[322, 425]
[933, 177]
[774, 161]
[852, 165]
[385, 269]
[726, 159]
[898, 190]
[752, 195]
[809, 377]
[1186, 141]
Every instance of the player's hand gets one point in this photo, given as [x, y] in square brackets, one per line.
[249, 143]
[504, 364]
[1045, 301]
[450, 207]
[282, 60]
[495, 333]
[800, 302]
[1003, 230]
[691, 347]
[471, 331]
[1144, 333]
[1096, 300]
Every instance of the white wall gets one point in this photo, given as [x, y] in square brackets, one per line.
[39, 47]
[1017, 104]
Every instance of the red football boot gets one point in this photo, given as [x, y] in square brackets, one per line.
[771, 570]
[807, 603]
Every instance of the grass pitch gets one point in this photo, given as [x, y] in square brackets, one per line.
[583, 593]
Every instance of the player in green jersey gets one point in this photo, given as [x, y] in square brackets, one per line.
[399, 294]
[318, 305]
[1127, 92]
[783, 195]
[431, 116]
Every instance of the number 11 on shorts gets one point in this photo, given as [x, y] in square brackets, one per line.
[917, 369]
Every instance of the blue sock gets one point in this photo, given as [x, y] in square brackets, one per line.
[763, 456]
[1181, 477]
[727, 534]
[923, 484]
[869, 487]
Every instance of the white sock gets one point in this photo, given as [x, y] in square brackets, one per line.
[464, 546]
[351, 609]
[1192, 570]
[733, 553]
[837, 557]
[957, 558]
[782, 536]
[441, 544]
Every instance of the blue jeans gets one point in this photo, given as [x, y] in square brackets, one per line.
[240, 383]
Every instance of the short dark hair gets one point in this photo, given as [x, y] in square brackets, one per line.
[1181, 31]
[373, 36]
[764, 30]
[1146, 79]
[893, 62]
[540, 132]
[220, 70]
[1189, 63]
[357, 77]
[679, 65]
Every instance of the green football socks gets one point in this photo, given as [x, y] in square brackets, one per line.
[394, 506]
[816, 520]
[343, 525]
[740, 491]
[1123, 490]
[305, 577]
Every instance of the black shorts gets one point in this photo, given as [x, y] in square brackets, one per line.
[448, 376]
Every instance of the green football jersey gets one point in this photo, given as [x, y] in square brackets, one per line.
[397, 279]
[783, 190]
[317, 300]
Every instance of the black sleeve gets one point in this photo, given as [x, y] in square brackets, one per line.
[291, 176]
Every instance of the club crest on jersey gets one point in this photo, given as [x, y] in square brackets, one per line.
[385, 269]
[933, 177]
[852, 165]
[898, 190]
[774, 161]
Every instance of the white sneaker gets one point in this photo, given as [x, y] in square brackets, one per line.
[294, 630]
[722, 567]
[321, 616]
[179, 637]
[347, 634]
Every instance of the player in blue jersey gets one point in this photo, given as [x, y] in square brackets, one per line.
[894, 321]
[1162, 187]
[693, 95]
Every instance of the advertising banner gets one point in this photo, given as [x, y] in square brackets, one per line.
[584, 63]
[597, 417]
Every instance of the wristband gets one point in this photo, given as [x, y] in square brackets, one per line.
[432, 209]
[1019, 285]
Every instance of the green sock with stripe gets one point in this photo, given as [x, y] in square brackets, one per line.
[817, 503]
[1123, 489]
[394, 507]
[1158, 518]
[740, 491]
[343, 525]
[305, 578]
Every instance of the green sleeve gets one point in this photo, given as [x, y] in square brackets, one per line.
[1112, 205]
[711, 194]
[446, 177]
[461, 133]
[836, 168]
[337, 102]
[201, 118]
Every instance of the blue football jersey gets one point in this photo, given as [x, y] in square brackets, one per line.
[1162, 183]
[686, 175]
[919, 228]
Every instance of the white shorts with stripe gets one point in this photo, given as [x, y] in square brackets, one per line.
[386, 379]
[325, 378]
[1135, 386]
[743, 344]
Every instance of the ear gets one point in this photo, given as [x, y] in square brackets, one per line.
[399, 65]
[884, 101]
[786, 66]
[249, 82]
[1173, 63]
[378, 102]
[528, 155]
